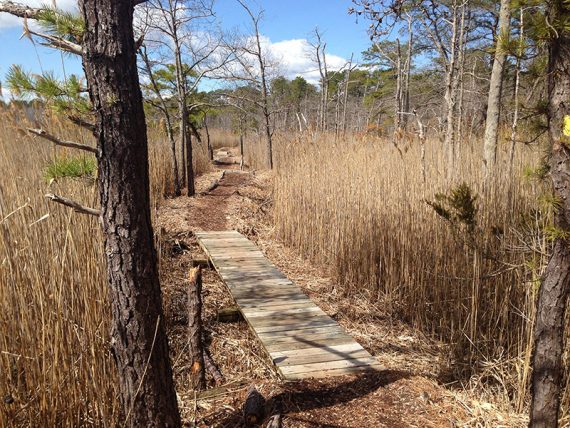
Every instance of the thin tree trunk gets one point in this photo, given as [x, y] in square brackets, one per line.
[514, 127]
[398, 95]
[407, 71]
[345, 102]
[548, 367]
[138, 336]
[460, 77]
[495, 89]
[167, 118]
[182, 139]
[208, 142]
[451, 97]
[190, 187]
[241, 151]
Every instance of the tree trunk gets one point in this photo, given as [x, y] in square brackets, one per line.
[241, 151]
[208, 141]
[515, 124]
[451, 97]
[548, 368]
[167, 118]
[191, 189]
[138, 336]
[495, 89]
[398, 95]
[197, 367]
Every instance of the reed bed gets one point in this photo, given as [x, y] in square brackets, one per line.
[361, 208]
[55, 363]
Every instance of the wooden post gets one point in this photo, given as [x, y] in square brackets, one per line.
[197, 375]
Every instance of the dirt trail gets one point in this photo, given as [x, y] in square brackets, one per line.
[409, 393]
[209, 209]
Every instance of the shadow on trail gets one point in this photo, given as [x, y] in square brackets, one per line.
[308, 395]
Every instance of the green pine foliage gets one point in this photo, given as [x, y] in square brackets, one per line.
[67, 25]
[83, 166]
[458, 206]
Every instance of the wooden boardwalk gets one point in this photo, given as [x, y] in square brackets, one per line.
[300, 338]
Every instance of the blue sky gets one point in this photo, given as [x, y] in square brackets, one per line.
[286, 24]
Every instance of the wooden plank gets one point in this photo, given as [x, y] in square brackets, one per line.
[269, 340]
[345, 349]
[302, 340]
[322, 357]
[265, 313]
[328, 365]
[307, 344]
[279, 306]
[270, 301]
[290, 319]
[374, 368]
[304, 332]
[298, 326]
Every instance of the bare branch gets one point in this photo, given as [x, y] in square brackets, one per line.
[20, 10]
[73, 204]
[80, 122]
[43, 134]
[59, 43]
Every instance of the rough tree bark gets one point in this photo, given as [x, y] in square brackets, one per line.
[548, 368]
[495, 89]
[138, 336]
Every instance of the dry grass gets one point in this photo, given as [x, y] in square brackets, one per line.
[360, 209]
[55, 365]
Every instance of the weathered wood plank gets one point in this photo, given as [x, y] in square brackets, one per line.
[328, 365]
[307, 344]
[334, 372]
[302, 340]
[317, 358]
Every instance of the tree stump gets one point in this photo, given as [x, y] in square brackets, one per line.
[253, 408]
[197, 372]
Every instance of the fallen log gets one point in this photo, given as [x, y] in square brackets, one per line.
[213, 369]
[197, 372]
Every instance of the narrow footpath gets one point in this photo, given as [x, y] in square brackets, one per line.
[411, 392]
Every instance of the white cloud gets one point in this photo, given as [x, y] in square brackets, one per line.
[9, 21]
[5, 95]
[294, 57]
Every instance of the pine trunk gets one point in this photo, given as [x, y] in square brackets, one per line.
[548, 367]
[138, 336]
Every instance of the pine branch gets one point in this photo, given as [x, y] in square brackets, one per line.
[73, 204]
[20, 10]
[43, 134]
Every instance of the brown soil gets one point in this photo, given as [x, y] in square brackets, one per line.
[409, 393]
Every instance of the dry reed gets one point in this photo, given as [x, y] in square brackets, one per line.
[55, 363]
[360, 208]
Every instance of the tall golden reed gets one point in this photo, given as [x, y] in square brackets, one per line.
[359, 207]
[55, 363]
